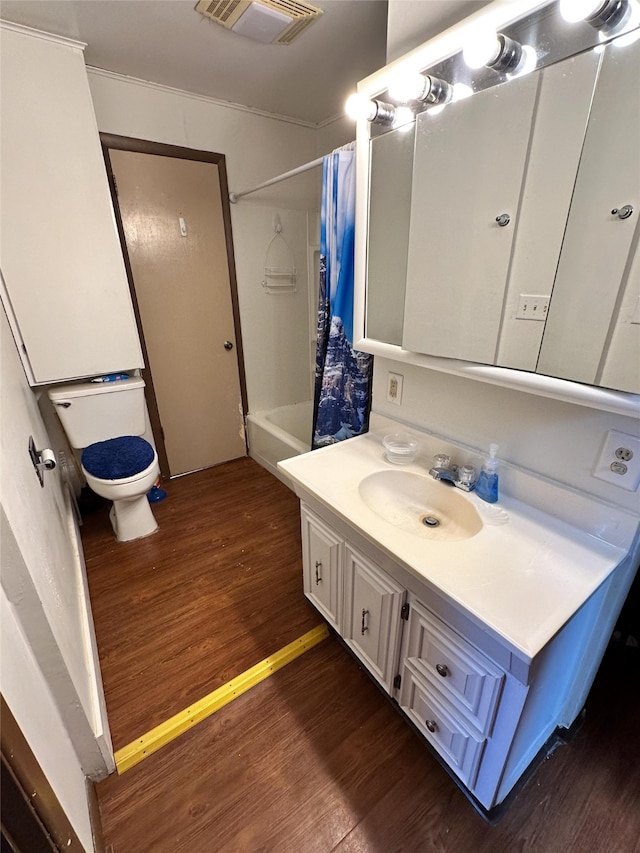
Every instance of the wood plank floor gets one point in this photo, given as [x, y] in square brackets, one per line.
[314, 759]
[213, 592]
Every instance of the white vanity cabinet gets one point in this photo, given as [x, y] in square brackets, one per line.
[488, 642]
[65, 287]
[447, 687]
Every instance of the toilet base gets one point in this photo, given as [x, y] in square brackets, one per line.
[132, 519]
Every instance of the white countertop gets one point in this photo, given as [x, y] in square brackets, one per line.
[523, 575]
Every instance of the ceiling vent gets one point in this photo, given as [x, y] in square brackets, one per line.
[268, 21]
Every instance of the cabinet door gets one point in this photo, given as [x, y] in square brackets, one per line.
[594, 263]
[322, 551]
[562, 112]
[468, 169]
[373, 602]
[62, 264]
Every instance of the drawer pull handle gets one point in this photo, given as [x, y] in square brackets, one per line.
[365, 613]
[431, 725]
[318, 569]
[442, 670]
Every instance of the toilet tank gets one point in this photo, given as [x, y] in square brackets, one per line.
[96, 411]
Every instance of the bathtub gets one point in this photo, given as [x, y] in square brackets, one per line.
[279, 434]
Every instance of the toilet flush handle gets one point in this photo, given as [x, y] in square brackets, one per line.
[228, 345]
[64, 404]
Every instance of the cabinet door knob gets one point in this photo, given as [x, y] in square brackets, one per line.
[318, 570]
[431, 725]
[623, 212]
[365, 613]
[503, 219]
[228, 345]
[442, 670]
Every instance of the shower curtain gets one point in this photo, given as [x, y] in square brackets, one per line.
[343, 375]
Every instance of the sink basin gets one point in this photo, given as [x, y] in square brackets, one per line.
[420, 505]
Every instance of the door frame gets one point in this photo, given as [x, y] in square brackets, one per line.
[144, 146]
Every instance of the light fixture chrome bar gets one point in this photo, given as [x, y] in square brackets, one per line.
[509, 54]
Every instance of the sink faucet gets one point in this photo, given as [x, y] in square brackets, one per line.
[463, 477]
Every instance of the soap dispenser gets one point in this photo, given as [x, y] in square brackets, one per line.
[487, 485]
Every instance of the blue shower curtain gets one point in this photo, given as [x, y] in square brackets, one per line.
[343, 375]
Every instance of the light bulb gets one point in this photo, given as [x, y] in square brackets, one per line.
[407, 87]
[579, 10]
[360, 107]
[484, 48]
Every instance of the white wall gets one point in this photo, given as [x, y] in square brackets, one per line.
[49, 675]
[257, 148]
[557, 439]
[28, 696]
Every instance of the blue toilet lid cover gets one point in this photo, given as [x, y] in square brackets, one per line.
[117, 458]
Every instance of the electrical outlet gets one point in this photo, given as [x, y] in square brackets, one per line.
[619, 460]
[394, 388]
[532, 307]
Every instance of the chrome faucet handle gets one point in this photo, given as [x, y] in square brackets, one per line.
[466, 479]
[441, 460]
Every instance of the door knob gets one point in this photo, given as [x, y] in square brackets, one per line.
[228, 345]
[503, 219]
[623, 212]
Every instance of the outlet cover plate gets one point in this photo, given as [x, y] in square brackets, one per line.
[616, 448]
[394, 388]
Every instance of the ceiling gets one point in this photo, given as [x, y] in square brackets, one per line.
[168, 42]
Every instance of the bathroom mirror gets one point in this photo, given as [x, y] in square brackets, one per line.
[467, 285]
[390, 185]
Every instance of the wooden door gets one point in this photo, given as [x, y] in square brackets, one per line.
[172, 219]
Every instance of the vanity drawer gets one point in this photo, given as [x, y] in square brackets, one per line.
[461, 749]
[453, 667]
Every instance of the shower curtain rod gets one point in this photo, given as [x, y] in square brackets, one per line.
[233, 197]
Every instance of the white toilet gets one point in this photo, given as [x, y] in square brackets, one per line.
[106, 420]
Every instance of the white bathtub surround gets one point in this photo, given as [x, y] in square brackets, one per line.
[279, 434]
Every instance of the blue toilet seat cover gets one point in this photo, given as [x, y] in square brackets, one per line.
[117, 458]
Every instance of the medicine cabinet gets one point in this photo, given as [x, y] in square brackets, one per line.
[502, 230]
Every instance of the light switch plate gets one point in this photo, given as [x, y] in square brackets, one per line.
[619, 460]
[532, 307]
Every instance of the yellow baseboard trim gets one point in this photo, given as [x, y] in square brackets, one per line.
[144, 746]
